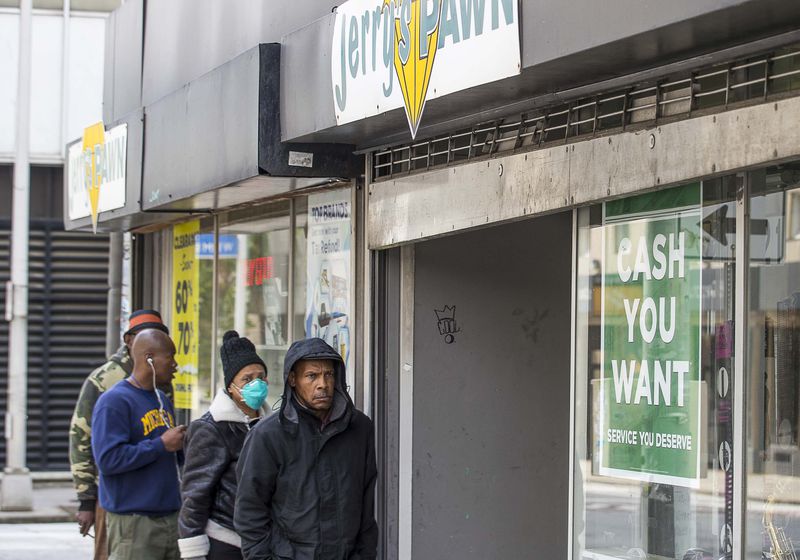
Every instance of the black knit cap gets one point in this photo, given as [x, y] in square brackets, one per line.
[237, 352]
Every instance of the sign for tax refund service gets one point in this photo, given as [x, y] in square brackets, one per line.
[388, 54]
[96, 181]
[651, 390]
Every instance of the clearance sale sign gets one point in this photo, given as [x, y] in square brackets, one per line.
[185, 314]
[650, 394]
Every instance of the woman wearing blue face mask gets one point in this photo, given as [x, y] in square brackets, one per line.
[212, 446]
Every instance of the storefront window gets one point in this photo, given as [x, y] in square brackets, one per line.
[653, 411]
[773, 427]
[256, 295]
[254, 286]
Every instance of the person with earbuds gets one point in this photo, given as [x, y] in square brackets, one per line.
[136, 447]
[213, 444]
[84, 471]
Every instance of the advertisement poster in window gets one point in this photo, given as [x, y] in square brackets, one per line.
[185, 315]
[651, 390]
[328, 307]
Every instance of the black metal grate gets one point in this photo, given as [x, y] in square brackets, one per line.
[68, 293]
[714, 89]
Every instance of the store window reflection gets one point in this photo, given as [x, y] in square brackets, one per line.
[205, 352]
[773, 483]
[300, 266]
[665, 491]
[254, 286]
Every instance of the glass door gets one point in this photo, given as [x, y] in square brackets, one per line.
[653, 475]
[773, 426]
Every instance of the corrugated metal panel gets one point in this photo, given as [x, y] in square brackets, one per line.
[66, 332]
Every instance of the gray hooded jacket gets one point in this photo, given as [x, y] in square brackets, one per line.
[306, 492]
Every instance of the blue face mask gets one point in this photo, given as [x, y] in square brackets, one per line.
[254, 393]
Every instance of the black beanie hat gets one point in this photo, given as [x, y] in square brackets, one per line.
[237, 352]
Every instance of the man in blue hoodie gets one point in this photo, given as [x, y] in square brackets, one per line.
[135, 444]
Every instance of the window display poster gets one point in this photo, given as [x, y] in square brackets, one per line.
[185, 314]
[650, 395]
[328, 306]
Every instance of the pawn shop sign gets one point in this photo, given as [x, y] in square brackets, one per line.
[388, 54]
[96, 179]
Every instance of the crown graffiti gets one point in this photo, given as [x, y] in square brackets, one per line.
[446, 313]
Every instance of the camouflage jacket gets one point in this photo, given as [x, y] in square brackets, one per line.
[84, 471]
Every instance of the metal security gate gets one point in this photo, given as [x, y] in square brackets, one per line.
[767, 77]
[66, 332]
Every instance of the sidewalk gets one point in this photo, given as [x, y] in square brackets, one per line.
[54, 501]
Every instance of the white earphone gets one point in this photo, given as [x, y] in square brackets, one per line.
[158, 395]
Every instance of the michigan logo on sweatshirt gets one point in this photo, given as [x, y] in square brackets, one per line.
[155, 418]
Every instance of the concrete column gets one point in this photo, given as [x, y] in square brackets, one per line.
[115, 254]
[16, 490]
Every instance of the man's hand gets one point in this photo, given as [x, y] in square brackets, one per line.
[173, 438]
[85, 521]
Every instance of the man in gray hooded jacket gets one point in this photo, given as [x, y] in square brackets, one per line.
[306, 476]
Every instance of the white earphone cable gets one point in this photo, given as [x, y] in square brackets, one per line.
[161, 410]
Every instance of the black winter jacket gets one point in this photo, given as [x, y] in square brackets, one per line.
[208, 487]
[306, 492]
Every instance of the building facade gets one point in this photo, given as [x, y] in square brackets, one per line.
[68, 274]
[555, 242]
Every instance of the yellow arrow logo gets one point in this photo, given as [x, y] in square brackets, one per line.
[93, 146]
[416, 42]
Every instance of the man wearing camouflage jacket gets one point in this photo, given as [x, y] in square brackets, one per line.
[84, 470]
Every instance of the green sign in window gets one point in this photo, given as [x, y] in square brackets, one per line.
[650, 392]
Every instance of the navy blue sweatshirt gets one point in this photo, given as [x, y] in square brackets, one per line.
[137, 474]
